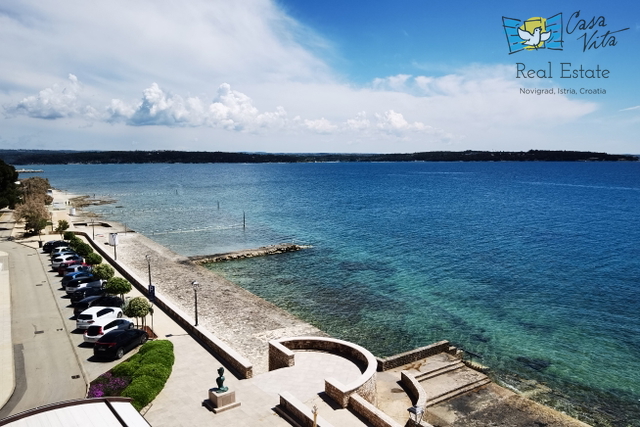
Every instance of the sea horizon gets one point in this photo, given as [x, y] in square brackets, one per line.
[531, 266]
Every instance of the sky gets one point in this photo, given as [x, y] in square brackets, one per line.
[303, 76]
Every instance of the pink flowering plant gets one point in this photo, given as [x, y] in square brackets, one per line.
[108, 385]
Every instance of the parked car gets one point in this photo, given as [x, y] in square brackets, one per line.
[76, 284]
[60, 250]
[87, 291]
[92, 314]
[77, 275]
[52, 244]
[115, 344]
[55, 262]
[97, 300]
[66, 268]
[104, 326]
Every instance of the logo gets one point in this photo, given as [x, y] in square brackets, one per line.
[533, 33]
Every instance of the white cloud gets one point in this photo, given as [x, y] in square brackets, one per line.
[58, 101]
[320, 126]
[393, 122]
[198, 51]
[231, 110]
[360, 122]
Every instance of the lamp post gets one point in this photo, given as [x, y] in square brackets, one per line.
[149, 265]
[93, 229]
[196, 285]
[416, 413]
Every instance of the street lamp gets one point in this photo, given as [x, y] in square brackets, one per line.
[93, 229]
[149, 265]
[196, 286]
[416, 413]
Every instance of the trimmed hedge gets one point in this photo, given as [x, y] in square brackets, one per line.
[155, 370]
[127, 368]
[148, 371]
[143, 390]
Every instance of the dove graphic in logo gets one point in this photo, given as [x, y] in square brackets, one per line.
[536, 39]
[533, 33]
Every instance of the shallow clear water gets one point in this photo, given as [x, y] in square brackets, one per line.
[534, 266]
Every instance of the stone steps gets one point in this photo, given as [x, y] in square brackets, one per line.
[423, 376]
[457, 392]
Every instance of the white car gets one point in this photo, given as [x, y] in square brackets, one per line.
[55, 262]
[92, 314]
[104, 325]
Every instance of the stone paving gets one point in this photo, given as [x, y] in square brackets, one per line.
[195, 371]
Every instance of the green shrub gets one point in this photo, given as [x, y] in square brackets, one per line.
[83, 249]
[127, 368]
[149, 369]
[143, 390]
[69, 235]
[155, 370]
[161, 358]
[93, 259]
[118, 286]
[103, 271]
[158, 345]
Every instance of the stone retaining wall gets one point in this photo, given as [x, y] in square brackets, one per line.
[369, 412]
[300, 412]
[241, 365]
[414, 355]
[416, 391]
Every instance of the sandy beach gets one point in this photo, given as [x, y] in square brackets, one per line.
[236, 316]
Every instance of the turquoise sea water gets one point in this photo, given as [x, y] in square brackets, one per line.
[534, 266]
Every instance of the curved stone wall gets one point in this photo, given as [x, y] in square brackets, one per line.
[281, 355]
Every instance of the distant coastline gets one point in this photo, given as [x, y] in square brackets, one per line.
[42, 157]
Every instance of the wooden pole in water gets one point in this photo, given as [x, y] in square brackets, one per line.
[244, 221]
[218, 204]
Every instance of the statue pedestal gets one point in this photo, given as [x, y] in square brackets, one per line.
[221, 401]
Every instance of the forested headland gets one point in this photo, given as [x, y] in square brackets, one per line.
[41, 157]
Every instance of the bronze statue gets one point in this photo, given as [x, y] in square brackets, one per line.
[220, 381]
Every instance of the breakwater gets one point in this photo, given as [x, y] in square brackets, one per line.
[247, 253]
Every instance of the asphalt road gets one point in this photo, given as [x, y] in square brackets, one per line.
[47, 369]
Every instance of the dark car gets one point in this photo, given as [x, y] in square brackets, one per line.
[77, 275]
[52, 244]
[114, 344]
[75, 284]
[97, 301]
[85, 292]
